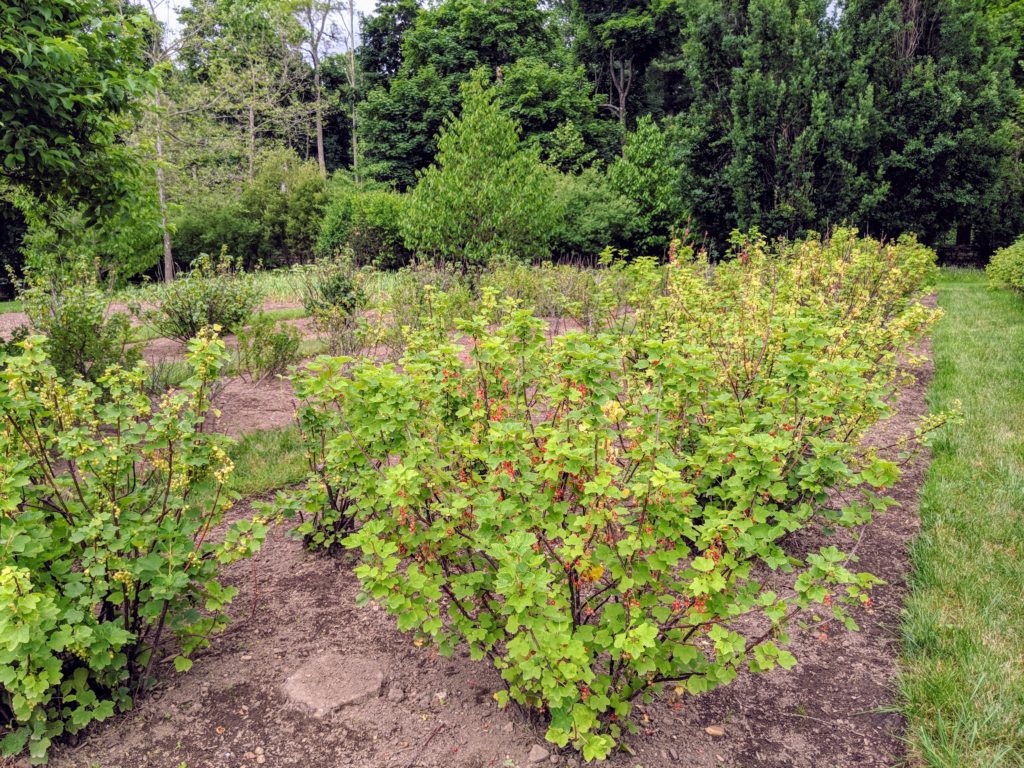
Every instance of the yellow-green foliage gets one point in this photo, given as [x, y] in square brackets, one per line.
[105, 553]
[1006, 269]
[594, 513]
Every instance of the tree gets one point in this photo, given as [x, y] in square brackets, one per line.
[380, 51]
[759, 125]
[645, 175]
[542, 96]
[617, 40]
[945, 97]
[486, 195]
[72, 76]
[443, 48]
[241, 53]
[320, 29]
[400, 125]
[895, 116]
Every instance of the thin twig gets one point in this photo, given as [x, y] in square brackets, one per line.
[423, 746]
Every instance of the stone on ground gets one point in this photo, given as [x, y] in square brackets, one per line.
[330, 681]
[537, 755]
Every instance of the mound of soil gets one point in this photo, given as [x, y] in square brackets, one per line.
[295, 608]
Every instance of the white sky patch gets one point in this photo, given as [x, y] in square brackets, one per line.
[167, 11]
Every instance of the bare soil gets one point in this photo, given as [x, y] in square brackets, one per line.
[230, 710]
[11, 321]
[246, 407]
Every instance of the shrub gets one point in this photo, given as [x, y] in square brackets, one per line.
[333, 297]
[376, 237]
[591, 297]
[106, 550]
[606, 514]
[12, 344]
[523, 283]
[418, 297]
[287, 198]
[119, 248]
[267, 348]
[646, 176]
[210, 223]
[1006, 268]
[367, 221]
[272, 221]
[592, 216]
[66, 303]
[337, 221]
[214, 293]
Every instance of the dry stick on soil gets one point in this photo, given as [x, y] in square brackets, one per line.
[826, 722]
[423, 746]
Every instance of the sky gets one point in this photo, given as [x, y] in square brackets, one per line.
[167, 10]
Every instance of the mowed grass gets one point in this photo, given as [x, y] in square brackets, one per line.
[265, 461]
[963, 658]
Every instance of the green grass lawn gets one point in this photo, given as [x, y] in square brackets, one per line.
[265, 461]
[10, 306]
[963, 659]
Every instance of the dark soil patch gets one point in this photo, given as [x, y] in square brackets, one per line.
[230, 711]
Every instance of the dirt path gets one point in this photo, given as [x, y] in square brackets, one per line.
[230, 710]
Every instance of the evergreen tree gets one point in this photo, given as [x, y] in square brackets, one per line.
[487, 194]
[447, 43]
[752, 139]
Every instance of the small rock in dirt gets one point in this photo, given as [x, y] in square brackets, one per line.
[673, 754]
[331, 681]
[246, 657]
[249, 755]
[508, 727]
[715, 730]
[261, 759]
[395, 694]
[258, 750]
[553, 759]
[424, 702]
[537, 755]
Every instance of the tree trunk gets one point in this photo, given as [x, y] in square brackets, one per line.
[252, 127]
[621, 82]
[963, 234]
[162, 195]
[352, 81]
[319, 117]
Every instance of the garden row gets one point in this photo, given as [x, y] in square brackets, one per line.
[598, 514]
[349, 310]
